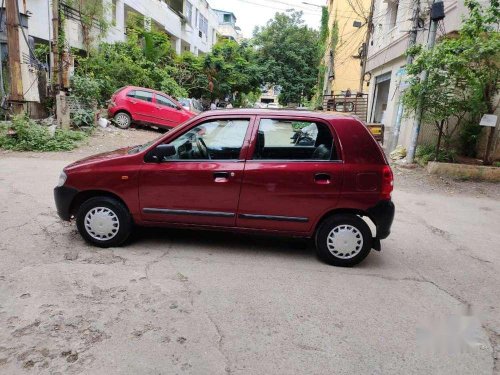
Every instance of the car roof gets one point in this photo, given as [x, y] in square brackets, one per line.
[146, 89]
[279, 112]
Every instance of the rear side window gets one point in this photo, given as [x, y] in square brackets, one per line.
[294, 140]
[141, 95]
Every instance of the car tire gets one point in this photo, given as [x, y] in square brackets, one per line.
[104, 222]
[122, 120]
[343, 240]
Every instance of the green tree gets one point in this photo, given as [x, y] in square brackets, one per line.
[463, 74]
[289, 53]
[92, 17]
[146, 59]
[232, 69]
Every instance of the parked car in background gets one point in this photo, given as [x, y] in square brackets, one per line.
[244, 171]
[191, 105]
[141, 105]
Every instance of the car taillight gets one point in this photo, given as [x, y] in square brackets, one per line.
[387, 182]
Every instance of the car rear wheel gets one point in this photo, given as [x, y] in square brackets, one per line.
[343, 240]
[103, 221]
[122, 120]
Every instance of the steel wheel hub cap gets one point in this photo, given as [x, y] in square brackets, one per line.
[102, 223]
[121, 120]
[345, 241]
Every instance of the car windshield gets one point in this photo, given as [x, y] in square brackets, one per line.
[139, 148]
[184, 102]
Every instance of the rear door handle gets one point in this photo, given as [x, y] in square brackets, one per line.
[322, 178]
[222, 176]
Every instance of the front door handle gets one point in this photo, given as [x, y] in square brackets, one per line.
[222, 176]
[322, 178]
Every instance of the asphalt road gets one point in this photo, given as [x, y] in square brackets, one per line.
[187, 302]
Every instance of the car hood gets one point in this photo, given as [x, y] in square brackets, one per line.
[105, 156]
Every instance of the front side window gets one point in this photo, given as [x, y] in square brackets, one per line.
[163, 100]
[214, 140]
[293, 140]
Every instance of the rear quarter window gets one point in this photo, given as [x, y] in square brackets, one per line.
[358, 145]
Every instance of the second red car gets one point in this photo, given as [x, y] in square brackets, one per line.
[137, 104]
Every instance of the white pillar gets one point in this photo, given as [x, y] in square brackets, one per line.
[120, 18]
[177, 44]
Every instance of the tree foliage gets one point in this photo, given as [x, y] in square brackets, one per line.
[145, 59]
[92, 19]
[463, 73]
[288, 53]
[232, 69]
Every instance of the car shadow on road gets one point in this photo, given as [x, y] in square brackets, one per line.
[203, 241]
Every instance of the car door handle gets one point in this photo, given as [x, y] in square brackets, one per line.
[222, 176]
[322, 178]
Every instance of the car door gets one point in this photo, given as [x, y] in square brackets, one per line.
[140, 104]
[201, 183]
[167, 112]
[293, 175]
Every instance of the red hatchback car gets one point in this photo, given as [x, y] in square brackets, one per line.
[137, 104]
[301, 174]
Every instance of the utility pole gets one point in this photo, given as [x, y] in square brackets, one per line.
[437, 14]
[62, 105]
[364, 57]
[56, 54]
[16, 81]
[409, 59]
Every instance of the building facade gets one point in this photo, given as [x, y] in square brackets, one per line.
[392, 22]
[347, 25]
[227, 26]
[190, 24]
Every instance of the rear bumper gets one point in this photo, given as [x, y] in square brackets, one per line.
[382, 215]
[63, 196]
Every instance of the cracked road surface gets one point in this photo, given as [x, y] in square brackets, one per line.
[187, 302]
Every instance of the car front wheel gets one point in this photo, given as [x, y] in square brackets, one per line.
[122, 120]
[343, 240]
[103, 221]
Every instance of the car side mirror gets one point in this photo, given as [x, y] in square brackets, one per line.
[160, 152]
[178, 107]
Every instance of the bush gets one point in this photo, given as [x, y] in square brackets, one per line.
[29, 136]
[469, 136]
[427, 153]
[86, 89]
[83, 117]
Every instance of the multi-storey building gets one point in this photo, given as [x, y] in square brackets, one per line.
[190, 24]
[344, 48]
[392, 23]
[227, 25]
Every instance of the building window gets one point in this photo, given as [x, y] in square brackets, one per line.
[196, 19]
[189, 12]
[203, 24]
[113, 13]
[227, 18]
[392, 13]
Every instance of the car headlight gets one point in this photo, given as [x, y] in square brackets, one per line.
[62, 179]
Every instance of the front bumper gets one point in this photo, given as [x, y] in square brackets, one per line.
[382, 215]
[64, 195]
